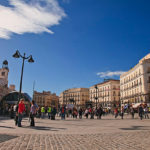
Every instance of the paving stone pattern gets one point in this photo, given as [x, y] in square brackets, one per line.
[124, 141]
[76, 134]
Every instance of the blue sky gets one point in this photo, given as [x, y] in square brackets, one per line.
[72, 40]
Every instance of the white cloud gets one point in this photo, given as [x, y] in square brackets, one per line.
[109, 74]
[29, 16]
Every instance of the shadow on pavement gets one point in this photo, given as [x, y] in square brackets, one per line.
[7, 127]
[137, 128]
[5, 118]
[6, 137]
[45, 128]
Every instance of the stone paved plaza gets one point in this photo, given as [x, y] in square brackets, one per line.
[76, 134]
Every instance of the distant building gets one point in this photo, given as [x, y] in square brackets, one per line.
[106, 93]
[4, 80]
[12, 87]
[4, 75]
[76, 96]
[45, 98]
[61, 98]
[135, 84]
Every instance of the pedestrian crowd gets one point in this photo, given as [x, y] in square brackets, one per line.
[142, 111]
[91, 112]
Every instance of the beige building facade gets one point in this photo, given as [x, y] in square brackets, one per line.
[4, 89]
[61, 101]
[4, 77]
[135, 84]
[106, 93]
[46, 98]
[76, 96]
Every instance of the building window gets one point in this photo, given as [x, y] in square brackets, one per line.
[139, 72]
[114, 93]
[140, 81]
[148, 70]
[3, 73]
[148, 79]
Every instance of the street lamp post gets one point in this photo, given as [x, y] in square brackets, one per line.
[30, 60]
[96, 95]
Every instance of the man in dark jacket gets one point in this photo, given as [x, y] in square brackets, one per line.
[63, 112]
[53, 113]
[141, 112]
[80, 113]
[99, 112]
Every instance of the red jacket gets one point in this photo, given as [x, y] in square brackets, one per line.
[21, 108]
[116, 110]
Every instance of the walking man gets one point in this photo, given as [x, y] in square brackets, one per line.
[122, 112]
[141, 112]
[33, 113]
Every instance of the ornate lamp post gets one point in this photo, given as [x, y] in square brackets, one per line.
[30, 60]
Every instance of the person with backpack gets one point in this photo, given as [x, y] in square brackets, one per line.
[63, 112]
[32, 113]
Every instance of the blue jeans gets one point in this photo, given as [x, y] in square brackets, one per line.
[49, 115]
[19, 119]
[63, 116]
[32, 123]
[43, 114]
